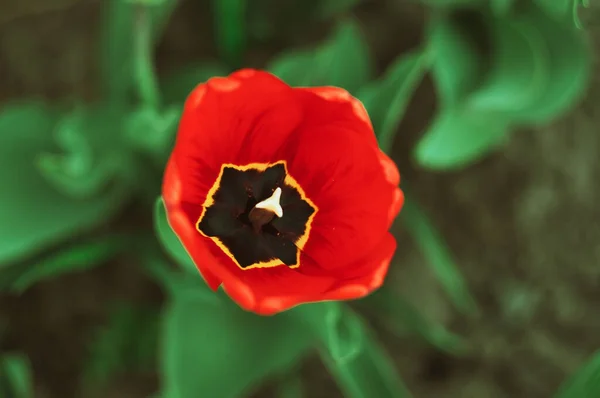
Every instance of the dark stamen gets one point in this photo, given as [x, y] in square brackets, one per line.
[259, 218]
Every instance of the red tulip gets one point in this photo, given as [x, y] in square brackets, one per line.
[281, 195]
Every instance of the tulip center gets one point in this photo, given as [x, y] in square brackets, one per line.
[243, 215]
[264, 212]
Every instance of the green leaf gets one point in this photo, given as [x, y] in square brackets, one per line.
[230, 21]
[585, 383]
[569, 67]
[327, 65]
[128, 342]
[458, 63]
[33, 213]
[458, 138]
[178, 85]
[293, 68]
[502, 7]
[386, 99]
[438, 256]
[175, 282]
[541, 67]
[348, 46]
[557, 8]
[80, 257]
[576, 5]
[355, 359]
[93, 159]
[519, 72]
[169, 240]
[153, 132]
[219, 350]
[337, 327]
[190, 282]
[369, 373]
[117, 43]
[15, 377]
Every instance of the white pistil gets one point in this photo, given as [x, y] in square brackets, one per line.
[272, 203]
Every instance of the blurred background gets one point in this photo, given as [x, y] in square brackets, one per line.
[499, 245]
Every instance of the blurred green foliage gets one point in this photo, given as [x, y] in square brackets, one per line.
[15, 377]
[497, 66]
[585, 383]
[326, 65]
[232, 350]
[127, 343]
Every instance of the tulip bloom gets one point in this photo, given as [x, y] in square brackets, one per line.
[281, 195]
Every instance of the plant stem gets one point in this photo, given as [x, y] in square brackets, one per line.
[401, 100]
[145, 76]
[229, 17]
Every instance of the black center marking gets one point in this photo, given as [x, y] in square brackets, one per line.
[256, 237]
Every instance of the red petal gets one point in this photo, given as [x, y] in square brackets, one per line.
[186, 231]
[375, 267]
[341, 108]
[240, 119]
[392, 175]
[279, 289]
[335, 159]
[271, 290]
[266, 291]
